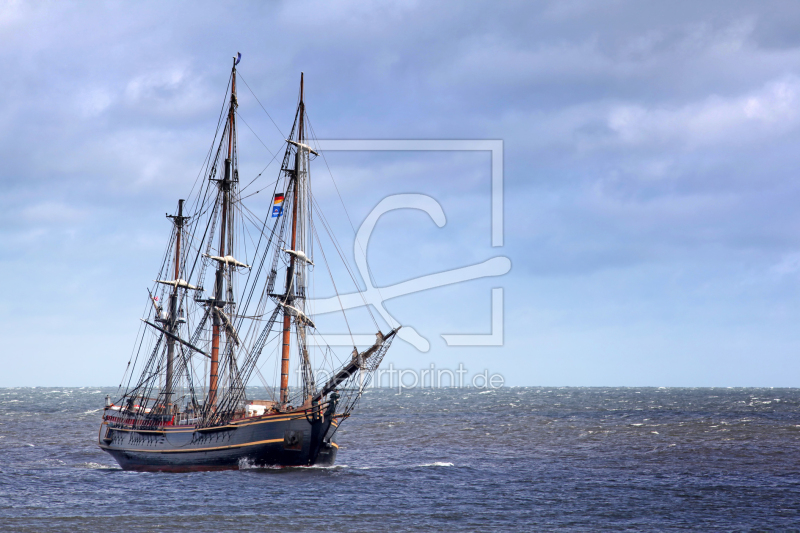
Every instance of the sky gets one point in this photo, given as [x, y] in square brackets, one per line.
[650, 157]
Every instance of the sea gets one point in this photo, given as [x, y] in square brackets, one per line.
[509, 459]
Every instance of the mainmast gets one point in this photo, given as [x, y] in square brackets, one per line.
[289, 293]
[172, 324]
[219, 299]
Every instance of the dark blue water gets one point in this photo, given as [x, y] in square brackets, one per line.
[448, 460]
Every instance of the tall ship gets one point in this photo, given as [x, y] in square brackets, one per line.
[232, 301]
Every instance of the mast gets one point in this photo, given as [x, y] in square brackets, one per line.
[289, 297]
[173, 308]
[218, 300]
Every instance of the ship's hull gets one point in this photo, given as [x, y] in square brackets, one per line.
[278, 441]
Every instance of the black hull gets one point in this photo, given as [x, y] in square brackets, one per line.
[271, 441]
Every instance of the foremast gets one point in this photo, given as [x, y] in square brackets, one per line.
[289, 297]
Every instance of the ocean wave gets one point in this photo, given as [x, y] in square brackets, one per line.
[383, 467]
[320, 467]
[98, 466]
[247, 464]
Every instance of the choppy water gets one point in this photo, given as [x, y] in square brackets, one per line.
[448, 460]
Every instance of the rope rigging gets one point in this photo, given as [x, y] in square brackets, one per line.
[220, 272]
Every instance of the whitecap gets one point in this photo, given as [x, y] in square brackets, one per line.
[437, 463]
[98, 466]
[247, 464]
[321, 467]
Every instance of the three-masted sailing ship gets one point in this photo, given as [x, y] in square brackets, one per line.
[233, 293]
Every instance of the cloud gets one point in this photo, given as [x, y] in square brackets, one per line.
[93, 101]
[52, 212]
[644, 142]
[173, 92]
[788, 264]
[761, 115]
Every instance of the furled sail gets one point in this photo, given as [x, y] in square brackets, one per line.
[302, 146]
[298, 314]
[227, 323]
[299, 254]
[228, 260]
[177, 282]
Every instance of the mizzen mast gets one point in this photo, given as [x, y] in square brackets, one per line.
[172, 319]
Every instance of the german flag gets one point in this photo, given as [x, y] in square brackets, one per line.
[277, 205]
